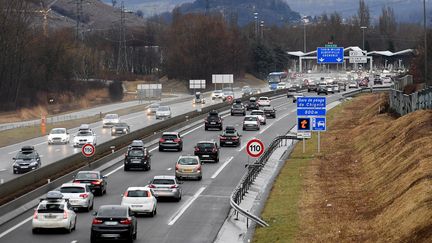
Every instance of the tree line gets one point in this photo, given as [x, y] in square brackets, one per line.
[35, 66]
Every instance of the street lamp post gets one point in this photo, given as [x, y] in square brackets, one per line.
[262, 30]
[256, 24]
[363, 30]
[425, 44]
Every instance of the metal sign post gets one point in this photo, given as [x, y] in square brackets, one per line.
[147, 91]
[319, 142]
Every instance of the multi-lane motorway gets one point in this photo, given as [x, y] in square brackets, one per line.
[205, 204]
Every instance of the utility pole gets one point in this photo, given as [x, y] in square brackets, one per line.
[363, 30]
[122, 65]
[427, 82]
[262, 30]
[79, 13]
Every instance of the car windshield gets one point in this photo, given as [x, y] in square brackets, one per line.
[72, 189]
[154, 105]
[250, 118]
[111, 116]
[58, 131]
[26, 155]
[85, 133]
[136, 153]
[163, 108]
[87, 176]
[51, 208]
[169, 136]
[138, 193]
[163, 181]
[205, 145]
[188, 161]
[237, 106]
[263, 98]
[217, 91]
[120, 125]
[112, 212]
[258, 113]
[230, 133]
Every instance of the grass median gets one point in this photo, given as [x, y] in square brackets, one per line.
[282, 206]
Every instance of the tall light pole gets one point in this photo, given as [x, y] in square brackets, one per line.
[304, 35]
[363, 30]
[262, 29]
[256, 24]
[425, 44]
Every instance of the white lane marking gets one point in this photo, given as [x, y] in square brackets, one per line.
[267, 127]
[13, 152]
[40, 143]
[2, 170]
[186, 206]
[244, 146]
[293, 110]
[169, 169]
[222, 167]
[153, 149]
[57, 150]
[130, 118]
[74, 241]
[196, 128]
[15, 226]
[114, 171]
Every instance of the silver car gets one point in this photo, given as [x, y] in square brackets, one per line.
[79, 195]
[163, 112]
[188, 166]
[164, 186]
[151, 109]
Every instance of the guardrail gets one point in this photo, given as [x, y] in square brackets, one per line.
[367, 90]
[18, 188]
[250, 176]
[403, 104]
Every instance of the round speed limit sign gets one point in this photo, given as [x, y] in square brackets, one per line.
[229, 99]
[88, 150]
[255, 148]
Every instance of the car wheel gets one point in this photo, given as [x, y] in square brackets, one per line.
[178, 199]
[232, 114]
[180, 149]
[148, 167]
[35, 231]
[125, 168]
[74, 227]
[217, 159]
[69, 230]
[221, 144]
[200, 178]
[205, 128]
[14, 171]
[92, 205]
[160, 149]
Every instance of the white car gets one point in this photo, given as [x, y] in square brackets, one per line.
[261, 116]
[251, 122]
[140, 200]
[54, 212]
[85, 135]
[281, 85]
[163, 112]
[110, 119]
[79, 195]
[353, 85]
[263, 101]
[152, 108]
[335, 88]
[296, 96]
[217, 94]
[58, 136]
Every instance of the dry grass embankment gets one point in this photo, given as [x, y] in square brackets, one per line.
[373, 180]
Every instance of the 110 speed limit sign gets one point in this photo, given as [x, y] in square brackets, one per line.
[255, 148]
[88, 150]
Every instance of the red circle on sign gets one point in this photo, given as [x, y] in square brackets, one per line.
[229, 99]
[255, 148]
[88, 150]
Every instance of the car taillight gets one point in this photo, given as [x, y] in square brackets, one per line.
[177, 140]
[161, 140]
[152, 186]
[65, 215]
[97, 221]
[126, 221]
[75, 181]
[35, 215]
[83, 196]
[214, 150]
[199, 168]
[235, 138]
[222, 138]
[205, 120]
[96, 182]
[174, 186]
[177, 167]
[125, 194]
[197, 149]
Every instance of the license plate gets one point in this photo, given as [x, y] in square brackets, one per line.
[137, 206]
[229, 142]
[188, 170]
[169, 141]
[206, 156]
[50, 216]
[110, 235]
[24, 167]
[111, 223]
[136, 161]
[213, 123]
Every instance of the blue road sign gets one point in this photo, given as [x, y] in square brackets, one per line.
[319, 124]
[330, 55]
[311, 106]
[303, 124]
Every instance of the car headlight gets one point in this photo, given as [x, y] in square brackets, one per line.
[33, 163]
[124, 130]
[113, 130]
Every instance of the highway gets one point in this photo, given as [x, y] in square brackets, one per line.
[52, 153]
[205, 204]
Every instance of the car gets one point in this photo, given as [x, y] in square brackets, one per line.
[27, 159]
[80, 196]
[198, 98]
[213, 120]
[261, 116]
[263, 101]
[171, 140]
[84, 136]
[246, 91]
[163, 112]
[230, 136]
[255, 91]
[140, 200]
[110, 119]
[217, 94]
[269, 111]
[151, 109]
[96, 181]
[312, 87]
[113, 222]
[54, 212]
[342, 86]
[137, 157]
[207, 151]
[120, 128]
[387, 79]
[292, 89]
[251, 122]
[322, 89]
[290, 94]
[165, 186]
[364, 82]
[335, 88]
[238, 108]
[353, 85]
[227, 94]
[252, 105]
[330, 88]
[296, 96]
[281, 85]
[378, 80]
[58, 136]
[188, 166]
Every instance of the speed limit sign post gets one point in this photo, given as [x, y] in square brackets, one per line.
[229, 99]
[255, 148]
[88, 150]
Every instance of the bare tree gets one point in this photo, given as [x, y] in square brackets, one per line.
[363, 14]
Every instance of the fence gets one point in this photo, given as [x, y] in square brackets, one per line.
[404, 104]
[248, 178]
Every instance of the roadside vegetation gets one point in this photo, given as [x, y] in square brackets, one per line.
[372, 181]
